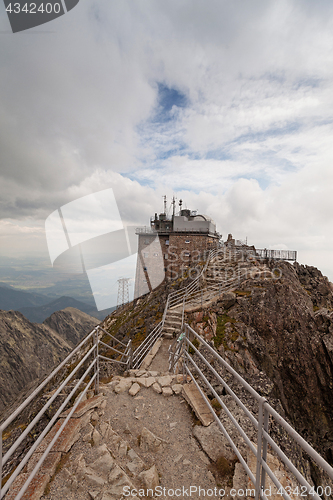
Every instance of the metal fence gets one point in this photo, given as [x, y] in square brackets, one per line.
[88, 352]
[181, 351]
[276, 254]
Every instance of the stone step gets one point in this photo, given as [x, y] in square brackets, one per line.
[196, 401]
[172, 323]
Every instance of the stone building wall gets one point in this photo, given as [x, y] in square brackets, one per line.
[168, 257]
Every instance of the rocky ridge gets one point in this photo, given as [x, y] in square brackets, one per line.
[29, 351]
[282, 328]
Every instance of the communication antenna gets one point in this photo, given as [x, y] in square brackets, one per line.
[123, 294]
[165, 204]
[173, 205]
[180, 204]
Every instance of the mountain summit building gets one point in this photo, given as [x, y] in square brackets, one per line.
[170, 245]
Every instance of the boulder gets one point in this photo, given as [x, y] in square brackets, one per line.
[123, 385]
[150, 442]
[134, 389]
[150, 478]
[157, 388]
[213, 441]
[167, 391]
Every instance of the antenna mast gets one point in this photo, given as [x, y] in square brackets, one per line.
[123, 295]
[173, 206]
[165, 204]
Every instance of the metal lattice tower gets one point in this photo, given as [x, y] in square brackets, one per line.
[123, 294]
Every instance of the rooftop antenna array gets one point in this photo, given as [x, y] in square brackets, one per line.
[123, 293]
[173, 205]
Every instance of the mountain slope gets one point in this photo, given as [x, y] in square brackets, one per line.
[11, 298]
[37, 307]
[39, 314]
[284, 328]
[29, 351]
[71, 324]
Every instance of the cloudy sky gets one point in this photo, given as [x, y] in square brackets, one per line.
[226, 104]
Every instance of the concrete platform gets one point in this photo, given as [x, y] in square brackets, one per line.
[196, 401]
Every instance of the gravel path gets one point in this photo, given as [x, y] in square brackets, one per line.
[180, 463]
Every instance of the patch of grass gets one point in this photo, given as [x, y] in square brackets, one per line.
[243, 293]
[223, 470]
[62, 462]
[105, 380]
[6, 478]
[220, 337]
[195, 419]
[140, 322]
[196, 344]
[215, 404]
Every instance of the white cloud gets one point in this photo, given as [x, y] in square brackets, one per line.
[252, 147]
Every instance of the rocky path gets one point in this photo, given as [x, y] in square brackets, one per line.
[128, 435]
[138, 439]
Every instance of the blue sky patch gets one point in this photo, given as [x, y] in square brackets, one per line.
[167, 98]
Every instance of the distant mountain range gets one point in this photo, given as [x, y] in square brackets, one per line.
[37, 307]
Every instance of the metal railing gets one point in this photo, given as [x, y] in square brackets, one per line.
[174, 299]
[152, 230]
[89, 353]
[276, 254]
[182, 351]
[141, 352]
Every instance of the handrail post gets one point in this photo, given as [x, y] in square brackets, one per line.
[130, 355]
[183, 312]
[259, 444]
[264, 448]
[0, 462]
[185, 346]
[96, 366]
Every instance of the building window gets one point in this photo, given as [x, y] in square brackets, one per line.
[155, 254]
[145, 254]
[167, 242]
[166, 256]
[145, 269]
[147, 242]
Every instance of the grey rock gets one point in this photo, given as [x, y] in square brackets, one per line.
[150, 442]
[213, 442]
[134, 389]
[167, 391]
[157, 388]
[150, 478]
[177, 388]
[123, 385]
[96, 437]
[103, 465]
[165, 381]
